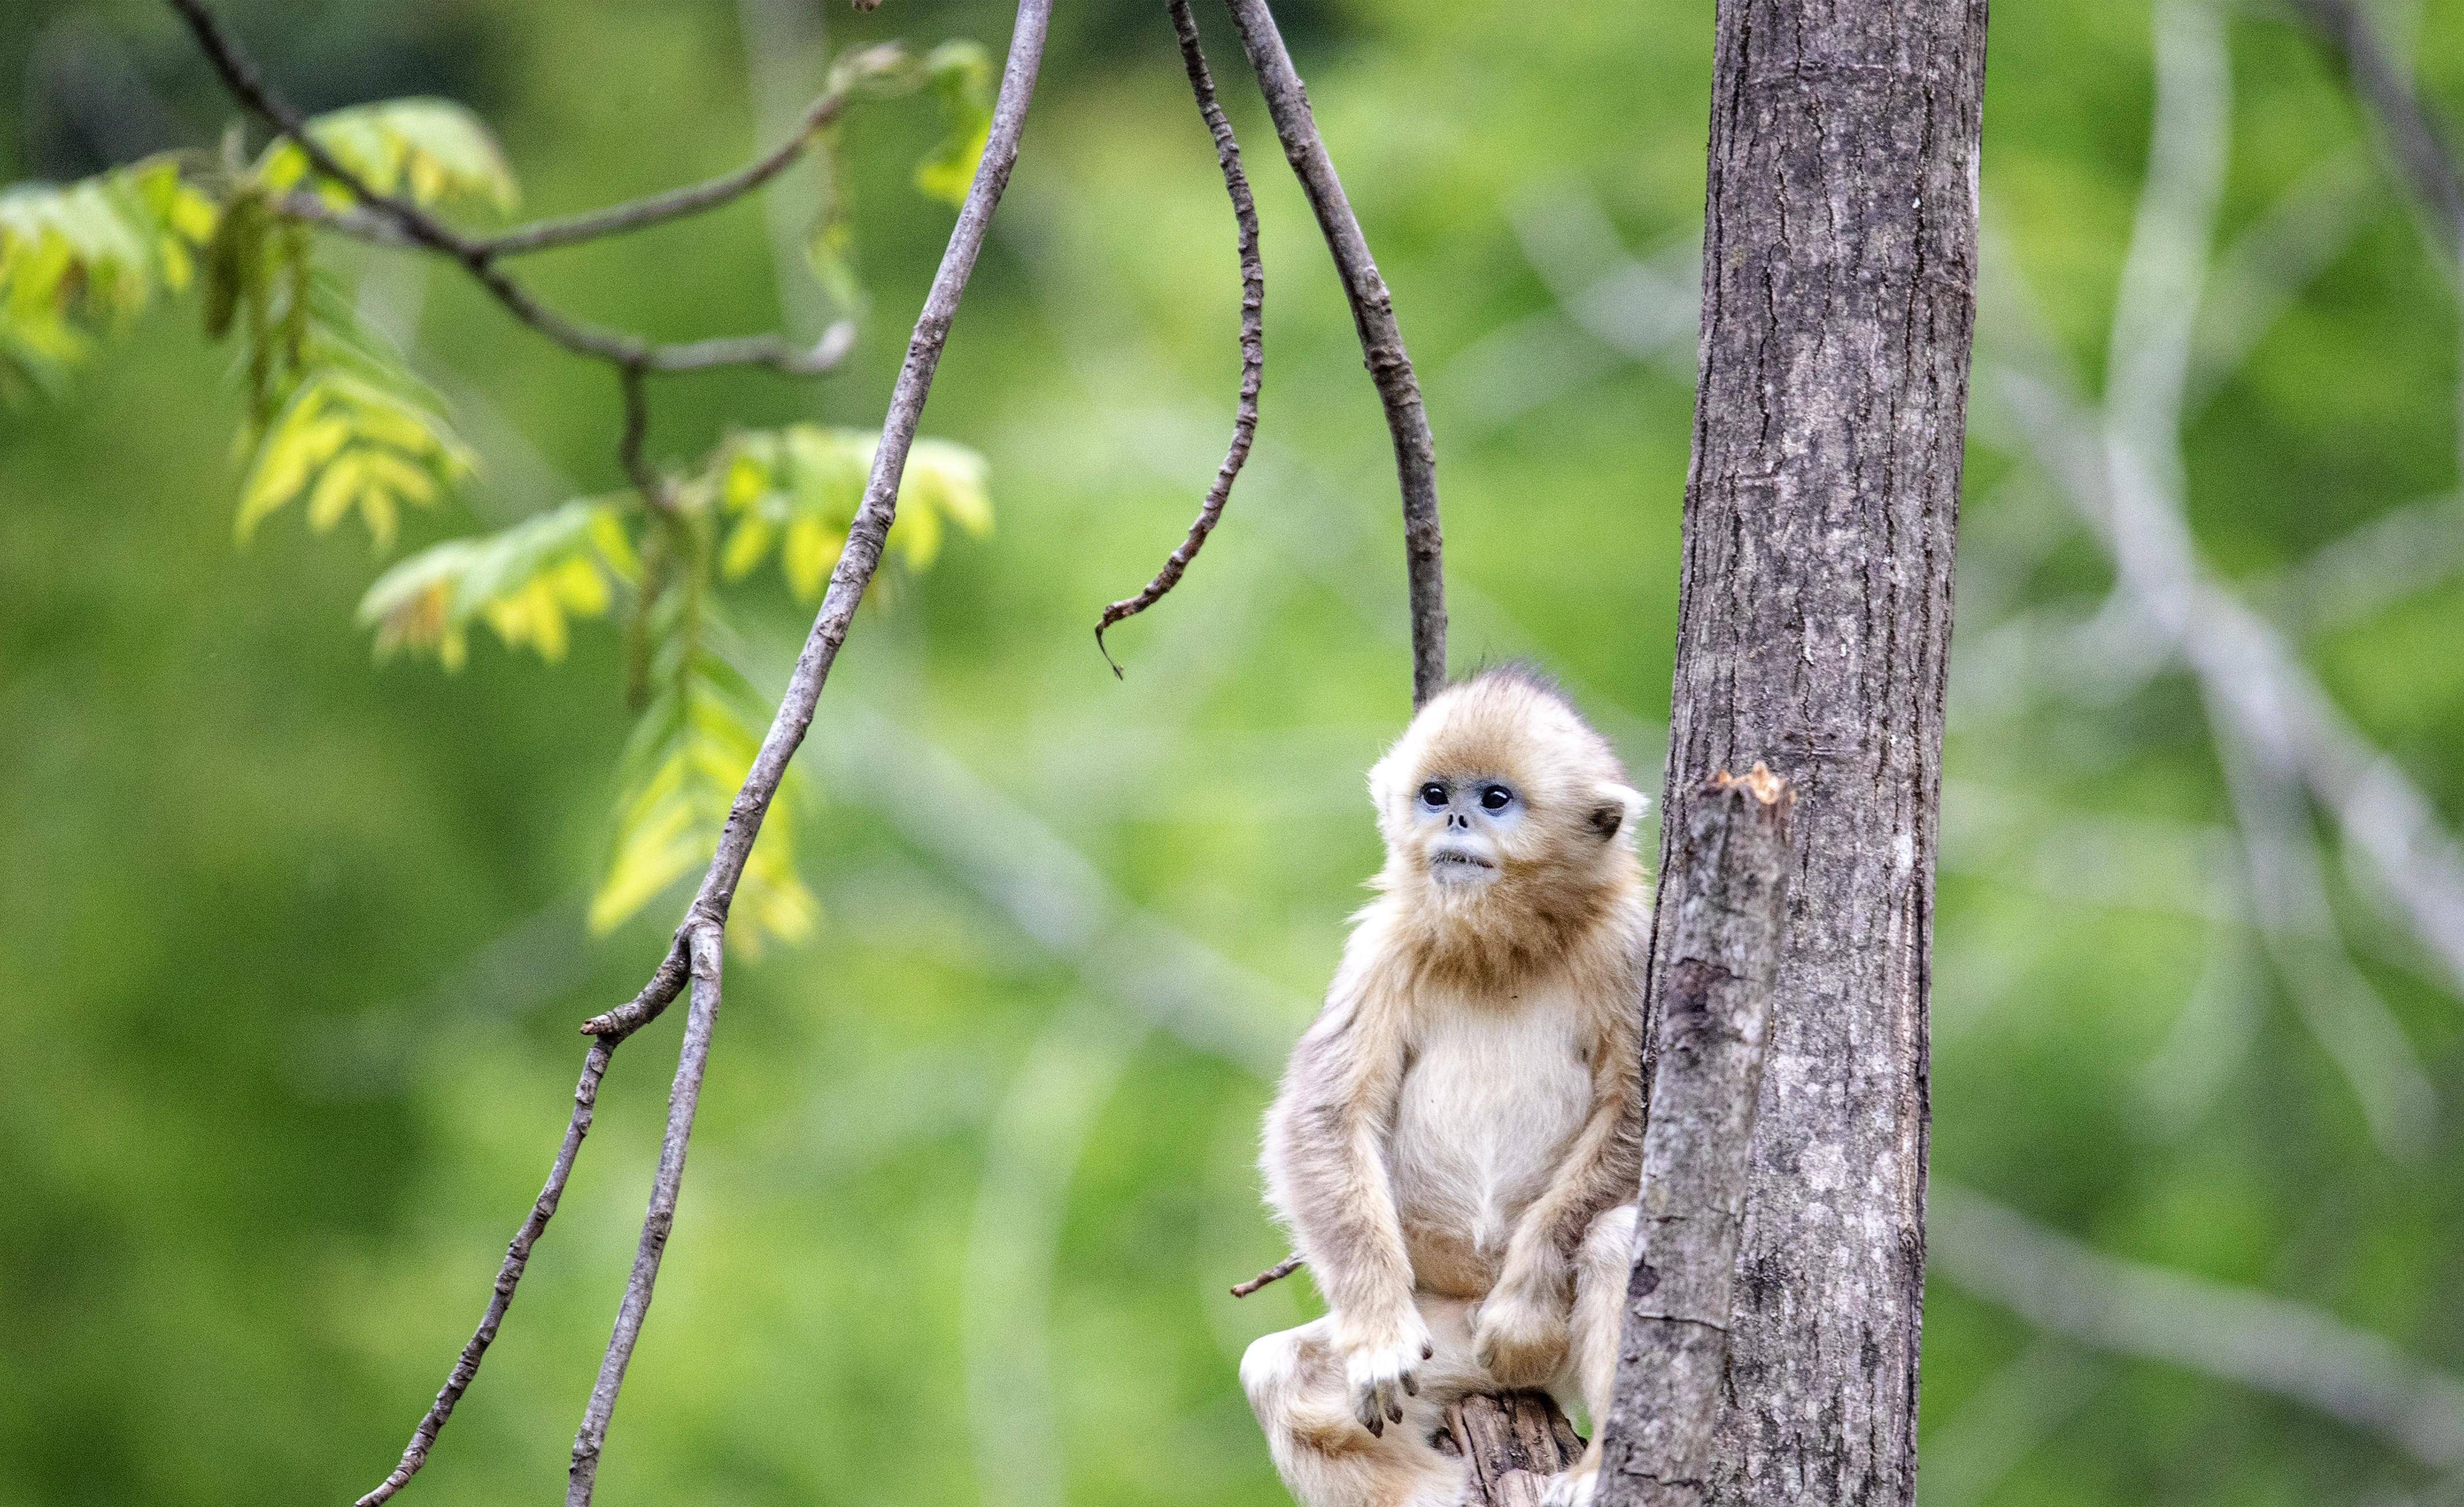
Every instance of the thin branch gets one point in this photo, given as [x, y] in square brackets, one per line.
[1381, 343]
[676, 203]
[1273, 1274]
[682, 1099]
[858, 559]
[1253, 334]
[466, 1366]
[665, 982]
[478, 255]
[861, 555]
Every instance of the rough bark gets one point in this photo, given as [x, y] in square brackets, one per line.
[1730, 879]
[1839, 254]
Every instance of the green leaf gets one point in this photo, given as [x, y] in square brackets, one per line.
[430, 150]
[795, 492]
[527, 583]
[960, 76]
[93, 252]
[679, 778]
[343, 443]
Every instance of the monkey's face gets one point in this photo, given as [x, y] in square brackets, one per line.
[1464, 824]
[1500, 799]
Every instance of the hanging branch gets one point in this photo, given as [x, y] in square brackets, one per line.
[1729, 895]
[1381, 343]
[1253, 334]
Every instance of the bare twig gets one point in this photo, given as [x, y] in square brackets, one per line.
[1273, 1274]
[1381, 343]
[665, 981]
[466, 1366]
[683, 1099]
[389, 215]
[2240, 1335]
[1253, 334]
[676, 203]
[1728, 893]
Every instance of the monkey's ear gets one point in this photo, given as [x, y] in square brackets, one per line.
[1617, 806]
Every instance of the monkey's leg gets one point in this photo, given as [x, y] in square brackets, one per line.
[1600, 1272]
[1296, 1387]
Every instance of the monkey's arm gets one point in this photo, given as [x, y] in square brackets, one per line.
[1520, 1331]
[1326, 1173]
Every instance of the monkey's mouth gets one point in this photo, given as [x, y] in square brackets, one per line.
[1456, 867]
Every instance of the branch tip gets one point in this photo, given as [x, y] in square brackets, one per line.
[1253, 358]
[1273, 1274]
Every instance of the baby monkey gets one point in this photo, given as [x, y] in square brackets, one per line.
[1456, 1142]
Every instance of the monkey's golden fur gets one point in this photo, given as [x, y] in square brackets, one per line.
[1457, 1139]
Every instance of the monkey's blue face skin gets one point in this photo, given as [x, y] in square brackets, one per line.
[1463, 822]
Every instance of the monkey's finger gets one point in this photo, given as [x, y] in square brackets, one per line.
[1394, 1407]
[1427, 1349]
[1411, 1383]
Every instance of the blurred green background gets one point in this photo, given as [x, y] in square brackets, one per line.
[296, 944]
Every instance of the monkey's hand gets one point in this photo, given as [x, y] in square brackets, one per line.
[1379, 1363]
[1519, 1335]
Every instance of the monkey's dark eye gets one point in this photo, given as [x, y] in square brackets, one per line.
[1433, 794]
[1496, 797]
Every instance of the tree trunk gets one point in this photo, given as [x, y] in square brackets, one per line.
[1813, 634]
[1730, 879]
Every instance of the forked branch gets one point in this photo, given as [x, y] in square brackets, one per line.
[696, 952]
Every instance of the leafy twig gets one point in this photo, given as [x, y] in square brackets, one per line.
[478, 256]
[1253, 349]
[1381, 343]
[696, 950]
